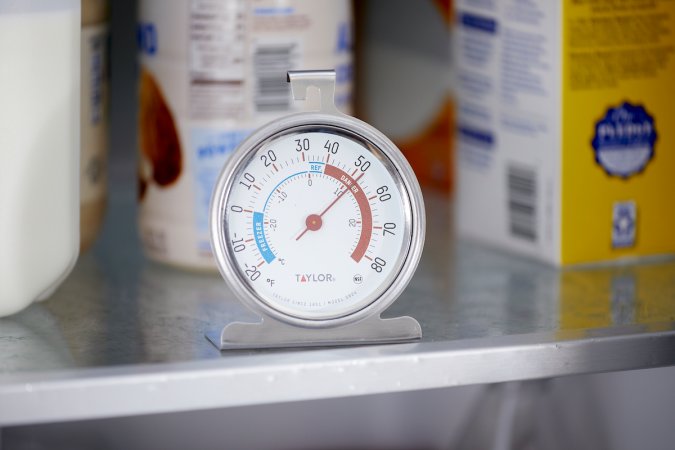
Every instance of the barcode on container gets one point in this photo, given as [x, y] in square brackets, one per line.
[270, 64]
[522, 202]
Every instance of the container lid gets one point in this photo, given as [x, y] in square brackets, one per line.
[37, 6]
[94, 11]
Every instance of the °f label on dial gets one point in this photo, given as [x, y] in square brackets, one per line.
[316, 224]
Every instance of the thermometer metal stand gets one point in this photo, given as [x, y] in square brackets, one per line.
[270, 332]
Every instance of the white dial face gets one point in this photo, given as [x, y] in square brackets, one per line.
[317, 223]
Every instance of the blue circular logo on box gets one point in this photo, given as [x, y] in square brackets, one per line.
[624, 140]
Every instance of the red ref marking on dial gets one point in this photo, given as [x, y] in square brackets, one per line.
[352, 185]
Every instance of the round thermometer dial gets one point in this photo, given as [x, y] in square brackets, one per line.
[317, 222]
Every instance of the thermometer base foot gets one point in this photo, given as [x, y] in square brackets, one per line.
[271, 333]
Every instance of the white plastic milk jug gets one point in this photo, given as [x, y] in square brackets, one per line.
[39, 147]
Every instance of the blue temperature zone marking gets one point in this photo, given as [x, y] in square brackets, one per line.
[259, 235]
[316, 167]
[259, 218]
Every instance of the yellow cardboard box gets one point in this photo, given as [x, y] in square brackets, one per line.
[566, 133]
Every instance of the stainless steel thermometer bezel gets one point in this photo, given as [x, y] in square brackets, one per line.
[327, 118]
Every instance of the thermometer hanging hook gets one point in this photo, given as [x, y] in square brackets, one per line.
[324, 80]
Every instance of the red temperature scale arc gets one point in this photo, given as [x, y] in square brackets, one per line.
[314, 221]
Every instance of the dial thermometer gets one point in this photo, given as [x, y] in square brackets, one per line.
[317, 224]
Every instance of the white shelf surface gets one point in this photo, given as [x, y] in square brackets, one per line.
[124, 336]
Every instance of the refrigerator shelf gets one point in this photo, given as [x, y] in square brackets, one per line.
[124, 336]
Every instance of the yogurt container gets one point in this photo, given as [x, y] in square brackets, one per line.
[212, 71]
